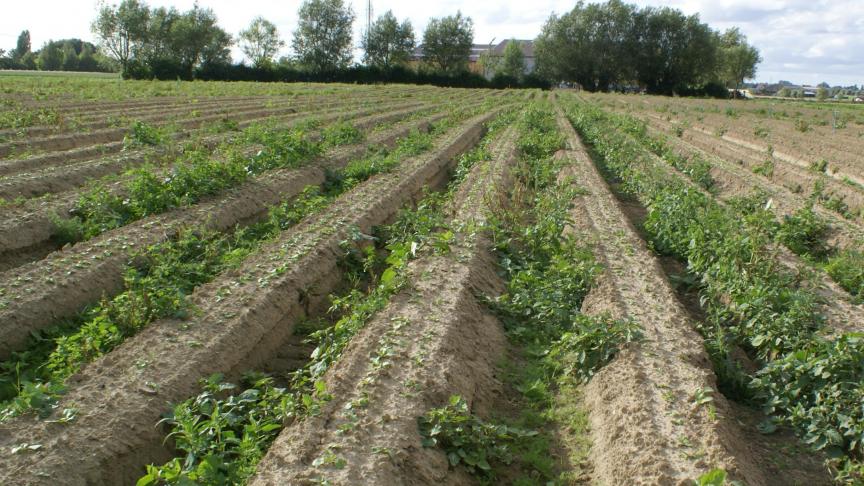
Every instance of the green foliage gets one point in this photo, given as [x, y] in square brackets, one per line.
[714, 477]
[512, 60]
[599, 45]
[447, 42]
[193, 176]
[322, 40]
[225, 457]
[468, 440]
[694, 167]
[341, 133]
[66, 230]
[817, 389]
[222, 439]
[260, 42]
[388, 43]
[847, 269]
[737, 58]
[750, 299]
[804, 232]
[160, 42]
[169, 271]
[142, 134]
[16, 116]
[819, 166]
[766, 168]
[591, 343]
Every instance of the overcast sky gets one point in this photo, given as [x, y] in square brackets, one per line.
[803, 41]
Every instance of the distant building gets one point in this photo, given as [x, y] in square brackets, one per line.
[477, 50]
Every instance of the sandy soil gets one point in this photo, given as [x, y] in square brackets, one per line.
[438, 341]
[244, 318]
[646, 424]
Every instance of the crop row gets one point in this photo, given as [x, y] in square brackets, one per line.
[800, 228]
[34, 228]
[159, 149]
[751, 303]
[94, 269]
[276, 286]
[135, 141]
[116, 137]
[341, 347]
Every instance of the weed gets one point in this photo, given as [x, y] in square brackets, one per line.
[820, 166]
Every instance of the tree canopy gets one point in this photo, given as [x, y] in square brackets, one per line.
[512, 60]
[661, 49]
[22, 46]
[388, 43]
[447, 42]
[260, 42]
[322, 41]
[162, 42]
[738, 59]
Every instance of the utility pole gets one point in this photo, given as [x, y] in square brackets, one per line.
[368, 19]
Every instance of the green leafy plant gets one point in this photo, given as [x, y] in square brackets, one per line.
[142, 134]
[467, 440]
[804, 232]
[591, 343]
[846, 267]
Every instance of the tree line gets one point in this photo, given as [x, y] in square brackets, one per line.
[59, 55]
[166, 44]
[610, 45]
[599, 46]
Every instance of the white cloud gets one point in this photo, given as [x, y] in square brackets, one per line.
[800, 40]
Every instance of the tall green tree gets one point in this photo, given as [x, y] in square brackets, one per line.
[22, 46]
[50, 57]
[513, 60]
[70, 57]
[197, 40]
[590, 45]
[738, 58]
[121, 29]
[675, 51]
[87, 60]
[260, 42]
[388, 43]
[322, 41]
[159, 40]
[447, 42]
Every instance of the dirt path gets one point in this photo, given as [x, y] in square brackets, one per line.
[646, 421]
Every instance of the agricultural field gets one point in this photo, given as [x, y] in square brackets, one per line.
[240, 283]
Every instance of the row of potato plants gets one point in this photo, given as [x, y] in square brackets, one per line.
[751, 301]
[249, 421]
[195, 174]
[548, 274]
[804, 232]
[157, 284]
